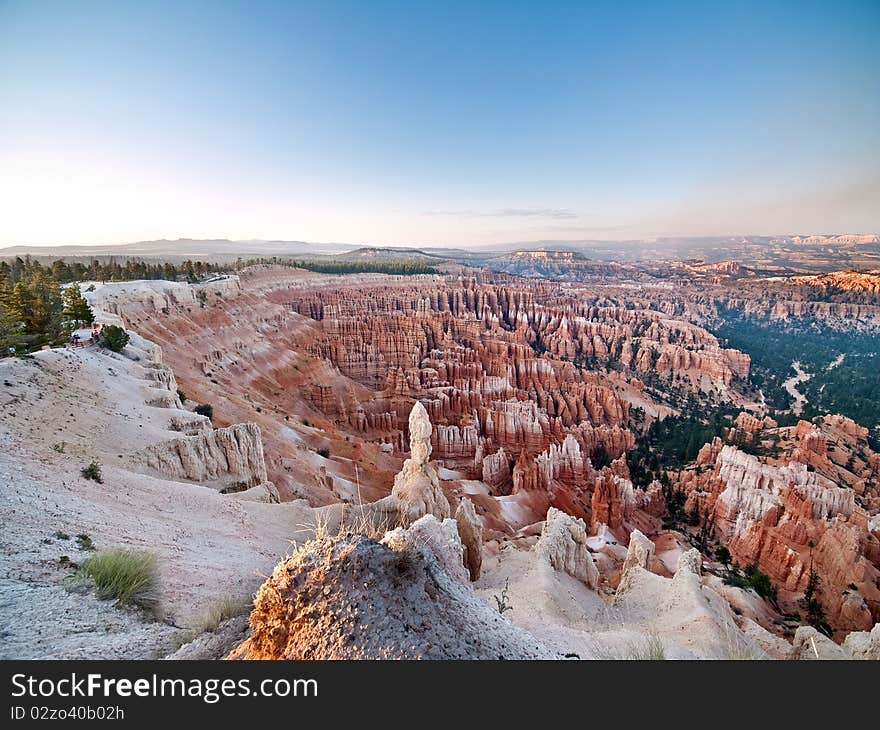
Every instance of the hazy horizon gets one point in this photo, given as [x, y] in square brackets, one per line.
[391, 124]
[748, 250]
[499, 245]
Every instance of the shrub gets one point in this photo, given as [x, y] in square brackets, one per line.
[735, 578]
[128, 576]
[93, 472]
[114, 338]
[502, 601]
[76, 308]
[204, 409]
[752, 577]
[325, 452]
[816, 617]
[84, 542]
[60, 535]
[761, 583]
[181, 395]
[723, 555]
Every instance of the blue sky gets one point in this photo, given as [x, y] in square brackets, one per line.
[456, 123]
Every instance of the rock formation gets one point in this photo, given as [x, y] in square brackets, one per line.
[798, 509]
[689, 564]
[417, 487]
[638, 556]
[563, 546]
[530, 386]
[471, 534]
[350, 355]
[264, 492]
[354, 598]
[231, 458]
[864, 644]
[437, 540]
[811, 645]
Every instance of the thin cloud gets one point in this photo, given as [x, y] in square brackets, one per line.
[551, 213]
[589, 229]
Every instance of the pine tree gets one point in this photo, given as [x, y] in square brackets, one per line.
[114, 338]
[21, 301]
[76, 308]
[723, 554]
[9, 324]
[815, 611]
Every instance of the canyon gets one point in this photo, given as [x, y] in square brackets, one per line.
[456, 439]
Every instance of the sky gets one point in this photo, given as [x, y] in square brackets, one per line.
[436, 123]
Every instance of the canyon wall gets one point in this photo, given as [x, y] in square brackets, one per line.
[798, 508]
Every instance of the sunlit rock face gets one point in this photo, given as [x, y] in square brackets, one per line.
[796, 508]
[351, 597]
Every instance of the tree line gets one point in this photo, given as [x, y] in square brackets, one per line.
[65, 272]
[400, 268]
[36, 309]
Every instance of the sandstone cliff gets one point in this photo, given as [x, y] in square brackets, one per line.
[229, 458]
[797, 509]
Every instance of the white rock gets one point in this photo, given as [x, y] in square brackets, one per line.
[563, 545]
[864, 644]
[416, 488]
[232, 455]
[471, 534]
[638, 556]
[437, 540]
[810, 644]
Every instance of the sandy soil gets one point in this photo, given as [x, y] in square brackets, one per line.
[59, 411]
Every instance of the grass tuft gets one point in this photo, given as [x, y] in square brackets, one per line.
[128, 576]
[216, 614]
[650, 649]
[223, 611]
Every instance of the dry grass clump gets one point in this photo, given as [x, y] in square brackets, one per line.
[217, 613]
[648, 648]
[128, 576]
[223, 610]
